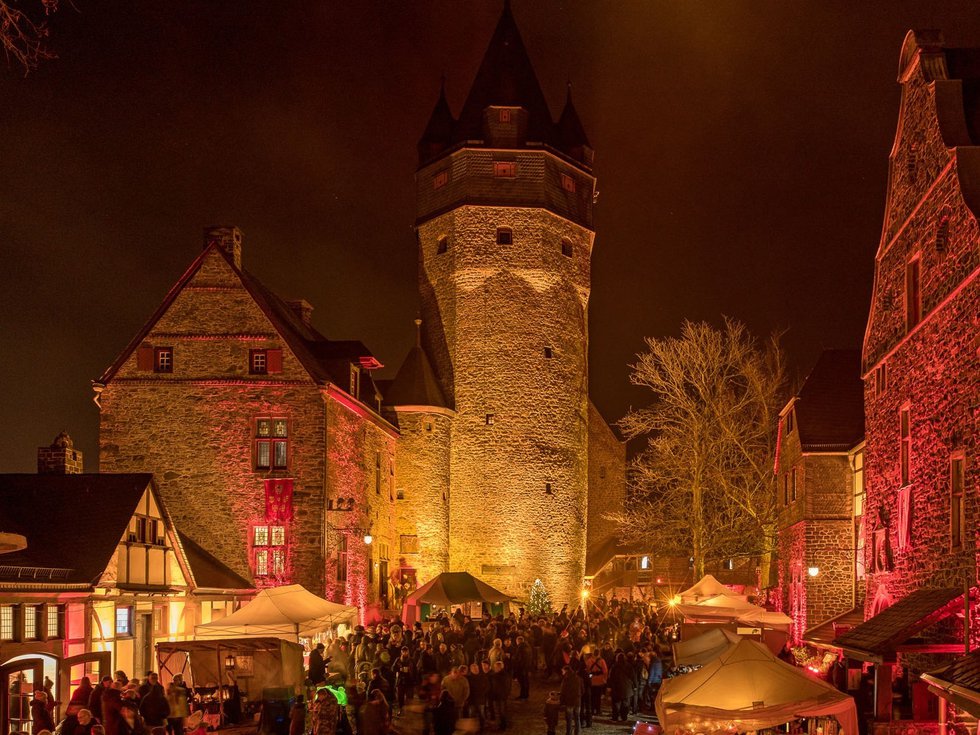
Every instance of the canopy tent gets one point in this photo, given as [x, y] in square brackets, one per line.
[288, 612]
[765, 619]
[704, 648]
[748, 688]
[451, 588]
[707, 586]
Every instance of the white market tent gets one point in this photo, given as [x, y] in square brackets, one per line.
[704, 648]
[765, 619]
[747, 688]
[288, 612]
[706, 587]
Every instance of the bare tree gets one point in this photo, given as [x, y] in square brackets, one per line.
[24, 38]
[704, 485]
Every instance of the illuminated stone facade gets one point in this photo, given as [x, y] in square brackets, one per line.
[920, 362]
[195, 423]
[819, 484]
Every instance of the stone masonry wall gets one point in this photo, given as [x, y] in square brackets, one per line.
[607, 477]
[495, 309]
[422, 495]
[360, 465]
[194, 428]
[934, 370]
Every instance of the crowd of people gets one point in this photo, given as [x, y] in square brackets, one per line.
[118, 705]
[606, 657]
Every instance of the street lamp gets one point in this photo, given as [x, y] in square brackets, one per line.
[368, 539]
[813, 571]
[230, 662]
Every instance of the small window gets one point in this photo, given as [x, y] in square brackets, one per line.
[548, 353]
[377, 473]
[789, 422]
[271, 444]
[786, 489]
[261, 562]
[6, 622]
[490, 419]
[568, 183]
[355, 380]
[942, 235]
[278, 561]
[957, 505]
[260, 536]
[258, 362]
[548, 489]
[277, 535]
[644, 562]
[163, 359]
[428, 426]
[32, 615]
[504, 236]
[881, 379]
[124, 621]
[443, 246]
[342, 559]
[905, 445]
[400, 494]
[913, 295]
[602, 472]
[566, 248]
[795, 485]
[55, 614]
[728, 564]
[440, 179]
[504, 169]
[504, 115]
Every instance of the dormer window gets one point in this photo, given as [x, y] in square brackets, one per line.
[440, 179]
[263, 362]
[568, 183]
[163, 359]
[504, 115]
[504, 169]
[355, 380]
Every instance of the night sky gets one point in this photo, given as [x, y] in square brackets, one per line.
[741, 154]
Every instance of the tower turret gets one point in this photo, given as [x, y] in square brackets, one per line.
[504, 226]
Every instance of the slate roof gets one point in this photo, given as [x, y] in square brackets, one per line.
[963, 672]
[603, 552]
[824, 633]
[506, 78]
[325, 360]
[416, 383]
[830, 405]
[73, 523]
[880, 636]
[208, 572]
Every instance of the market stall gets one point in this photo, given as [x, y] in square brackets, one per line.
[747, 688]
[703, 648]
[704, 588]
[227, 676]
[451, 589]
[290, 612]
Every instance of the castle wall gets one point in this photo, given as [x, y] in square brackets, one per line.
[422, 495]
[607, 477]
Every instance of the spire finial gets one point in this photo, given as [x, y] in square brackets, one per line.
[418, 332]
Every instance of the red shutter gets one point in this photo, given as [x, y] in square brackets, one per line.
[144, 358]
[273, 361]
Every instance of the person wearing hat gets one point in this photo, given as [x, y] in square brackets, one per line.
[318, 665]
[40, 714]
[326, 713]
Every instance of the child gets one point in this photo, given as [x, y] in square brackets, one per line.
[551, 709]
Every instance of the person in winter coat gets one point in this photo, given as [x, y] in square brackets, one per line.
[655, 675]
[595, 667]
[620, 687]
[326, 713]
[570, 696]
[95, 698]
[154, 707]
[111, 704]
[297, 717]
[444, 717]
[80, 697]
[318, 666]
[40, 715]
[375, 715]
[405, 676]
[500, 683]
[523, 659]
[129, 722]
[479, 689]
[457, 685]
[179, 709]
[552, 707]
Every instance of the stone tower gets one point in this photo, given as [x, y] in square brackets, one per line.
[505, 233]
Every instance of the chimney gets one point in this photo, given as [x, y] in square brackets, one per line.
[303, 309]
[228, 239]
[61, 458]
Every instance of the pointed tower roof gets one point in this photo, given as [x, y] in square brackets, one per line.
[439, 131]
[570, 132]
[506, 77]
[416, 384]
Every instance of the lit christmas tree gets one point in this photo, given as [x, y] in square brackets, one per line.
[538, 602]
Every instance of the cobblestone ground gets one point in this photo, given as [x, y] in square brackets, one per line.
[527, 718]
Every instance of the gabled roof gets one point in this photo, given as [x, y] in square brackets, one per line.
[830, 405]
[416, 383]
[506, 77]
[325, 360]
[73, 524]
[880, 637]
[207, 571]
